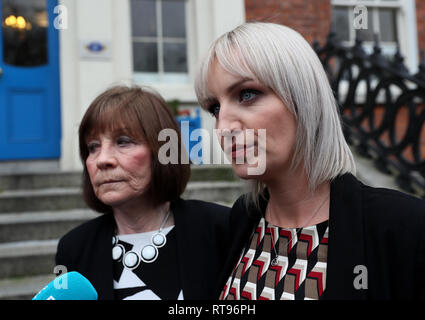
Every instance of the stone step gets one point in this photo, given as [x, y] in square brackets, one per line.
[70, 198]
[23, 288]
[27, 258]
[37, 209]
[59, 179]
[28, 181]
[212, 173]
[28, 238]
[32, 257]
[218, 191]
[40, 225]
[35, 257]
[41, 200]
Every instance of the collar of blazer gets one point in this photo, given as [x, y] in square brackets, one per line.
[101, 262]
[191, 253]
[346, 249]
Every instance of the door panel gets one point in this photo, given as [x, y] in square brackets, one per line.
[29, 81]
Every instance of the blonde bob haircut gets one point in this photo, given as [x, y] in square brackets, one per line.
[281, 59]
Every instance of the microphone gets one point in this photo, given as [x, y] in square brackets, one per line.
[68, 286]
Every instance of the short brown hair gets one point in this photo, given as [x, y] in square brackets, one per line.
[142, 114]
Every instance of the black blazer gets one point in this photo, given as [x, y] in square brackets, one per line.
[202, 240]
[381, 229]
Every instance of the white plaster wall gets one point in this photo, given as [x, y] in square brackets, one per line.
[69, 76]
[213, 18]
[82, 79]
[108, 21]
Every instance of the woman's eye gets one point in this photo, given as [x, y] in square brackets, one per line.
[123, 141]
[214, 109]
[92, 147]
[248, 94]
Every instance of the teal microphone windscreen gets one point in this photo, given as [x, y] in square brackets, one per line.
[68, 286]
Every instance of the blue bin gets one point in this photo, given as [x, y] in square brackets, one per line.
[192, 140]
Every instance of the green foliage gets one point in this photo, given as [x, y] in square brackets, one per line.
[174, 106]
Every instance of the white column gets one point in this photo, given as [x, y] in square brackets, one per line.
[213, 18]
[84, 76]
[69, 78]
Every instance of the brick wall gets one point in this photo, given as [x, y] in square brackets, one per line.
[310, 18]
[420, 20]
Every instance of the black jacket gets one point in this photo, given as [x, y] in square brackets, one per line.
[381, 229]
[202, 239]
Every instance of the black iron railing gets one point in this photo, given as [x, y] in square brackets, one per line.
[382, 107]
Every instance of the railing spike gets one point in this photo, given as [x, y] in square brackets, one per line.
[421, 70]
[358, 48]
[377, 57]
[376, 46]
[331, 40]
[316, 45]
[398, 61]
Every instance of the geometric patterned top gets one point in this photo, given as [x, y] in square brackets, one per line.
[300, 272]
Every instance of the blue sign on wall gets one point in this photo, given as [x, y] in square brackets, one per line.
[191, 136]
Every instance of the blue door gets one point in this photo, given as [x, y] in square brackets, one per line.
[29, 81]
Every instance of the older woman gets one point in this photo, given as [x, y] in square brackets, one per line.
[310, 229]
[149, 243]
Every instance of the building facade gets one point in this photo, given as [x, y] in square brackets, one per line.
[58, 55]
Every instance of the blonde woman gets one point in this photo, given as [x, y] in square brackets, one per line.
[309, 229]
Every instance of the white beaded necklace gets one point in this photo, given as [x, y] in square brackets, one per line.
[148, 254]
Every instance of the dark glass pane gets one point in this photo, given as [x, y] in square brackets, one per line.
[173, 19]
[387, 25]
[24, 26]
[145, 56]
[143, 18]
[175, 57]
[340, 23]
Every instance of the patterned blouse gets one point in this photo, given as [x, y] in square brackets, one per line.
[299, 272]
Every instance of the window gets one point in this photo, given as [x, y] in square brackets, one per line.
[393, 21]
[159, 40]
[383, 19]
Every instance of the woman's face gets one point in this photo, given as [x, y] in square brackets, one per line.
[119, 168]
[239, 104]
